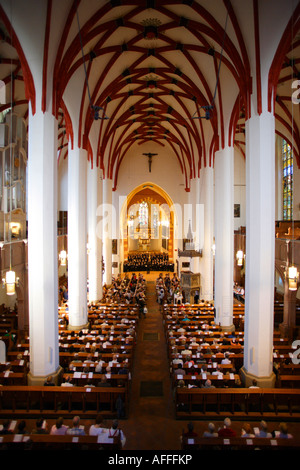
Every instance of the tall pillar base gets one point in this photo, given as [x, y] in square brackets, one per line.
[40, 380]
[263, 382]
[78, 327]
[229, 328]
[287, 331]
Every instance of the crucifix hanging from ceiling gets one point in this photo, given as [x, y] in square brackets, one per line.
[150, 155]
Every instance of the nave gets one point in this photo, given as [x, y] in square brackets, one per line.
[151, 423]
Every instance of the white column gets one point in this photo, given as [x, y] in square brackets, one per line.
[224, 236]
[208, 202]
[94, 200]
[193, 213]
[108, 221]
[260, 241]
[42, 244]
[77, 237]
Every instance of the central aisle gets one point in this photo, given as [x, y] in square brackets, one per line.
[151, 405]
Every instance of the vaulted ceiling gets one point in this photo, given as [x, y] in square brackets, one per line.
[155, 71]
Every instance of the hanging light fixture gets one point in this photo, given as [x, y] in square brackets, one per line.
[240, 257]
[293, 277]
[63, 257]
[10, 281]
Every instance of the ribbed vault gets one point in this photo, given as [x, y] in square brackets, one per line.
[154, 71]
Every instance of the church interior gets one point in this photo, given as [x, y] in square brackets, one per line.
[150, 225]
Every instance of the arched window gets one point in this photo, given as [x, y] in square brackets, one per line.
[287, 180]
[143, 214]
[155, 220]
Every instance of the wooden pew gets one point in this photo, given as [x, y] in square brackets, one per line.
[238, 443]
[217, 381]
[237, 402]
[289, 381]
[42, 442]
[81, 379]
[47, 401]
[13, 378]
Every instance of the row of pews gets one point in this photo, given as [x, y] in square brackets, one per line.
[47, 442]
[96, 361]
[194, 339]
[238, 443]
[16, 440]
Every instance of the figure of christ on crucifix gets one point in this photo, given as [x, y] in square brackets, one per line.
[149, 155]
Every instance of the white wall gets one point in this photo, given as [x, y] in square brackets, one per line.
[165, 172]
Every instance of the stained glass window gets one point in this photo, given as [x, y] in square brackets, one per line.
[143, 214]
[155, 220]
[287, 180]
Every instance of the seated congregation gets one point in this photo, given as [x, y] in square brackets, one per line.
[97, 370]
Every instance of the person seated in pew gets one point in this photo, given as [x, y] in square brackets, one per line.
[76, 359]
[203, 369]
[237, 383]
[207, 384]
[89, 360]
[21, 428]
[192, 370]
[5, 428]
[89, 384]
[201, 359]
[49, 382]
[254, 384]
[67, 382]
[195, 384]
[188, 363]
[208, 351]
[283, 432]
[98, 428]
[177, 360]
[106, 343]
[104, 382]
[181, 384]
[77, 429]
[226, 359]
[179, 371]
[41, 427]
[123, 369]
[190, 433]
[99, 365]
[210, 431]
[59, 428]
[226, 341]
[262, 431]
[217, 371]
[115, 431]
[186, 353]
[246, 431]
[194, 343]
[113, 363]
[226, 430]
